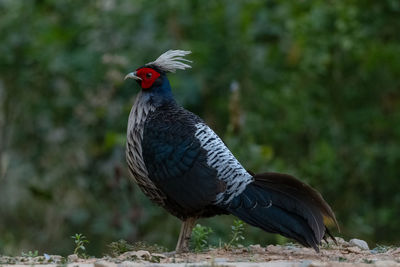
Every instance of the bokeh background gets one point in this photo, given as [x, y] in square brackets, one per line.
[310, 88]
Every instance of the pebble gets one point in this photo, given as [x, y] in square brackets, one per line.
[131, 255]
[144, 254]
[359, 243]
[256, 249]
[341, 241]
[72, 257]
[159, 255]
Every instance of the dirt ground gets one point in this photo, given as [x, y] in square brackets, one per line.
[343, 254]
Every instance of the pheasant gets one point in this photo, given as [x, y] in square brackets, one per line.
[183, 166]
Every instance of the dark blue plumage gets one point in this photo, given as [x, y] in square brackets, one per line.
[279, 203]
[176, 162]
[182, 165]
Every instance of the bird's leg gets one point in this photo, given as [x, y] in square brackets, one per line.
[184, 236]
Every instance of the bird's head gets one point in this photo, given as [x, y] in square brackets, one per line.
[152, 75]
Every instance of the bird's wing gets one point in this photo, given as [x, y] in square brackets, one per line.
[176, 161]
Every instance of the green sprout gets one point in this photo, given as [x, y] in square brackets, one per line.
[80, 240]
[199, 238]
[237, 234]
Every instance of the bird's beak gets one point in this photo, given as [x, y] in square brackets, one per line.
[132, 75]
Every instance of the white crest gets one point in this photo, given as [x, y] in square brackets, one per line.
[172, 60]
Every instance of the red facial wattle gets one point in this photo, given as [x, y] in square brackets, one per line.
[148, 76]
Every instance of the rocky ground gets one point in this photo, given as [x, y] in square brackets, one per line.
[353, 253]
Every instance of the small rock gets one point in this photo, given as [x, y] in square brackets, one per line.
[72, 257]
[132, 255]
[144, 254]
[51, 258]
[359, 243]
[256, 249]
[159, 255]
[341, 242]
[273, 249]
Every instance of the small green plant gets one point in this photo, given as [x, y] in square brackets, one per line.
[80, 240]
[30, 254]
[237, 234]
[199, 238]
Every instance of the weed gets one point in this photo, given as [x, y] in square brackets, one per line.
[30, 254]
[199, 238]
[237, 234]
[80, 240]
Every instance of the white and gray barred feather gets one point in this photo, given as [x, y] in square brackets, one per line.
[221, 159]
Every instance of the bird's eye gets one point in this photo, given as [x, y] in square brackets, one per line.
[148, 75]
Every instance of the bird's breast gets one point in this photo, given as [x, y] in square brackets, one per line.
[134, 157]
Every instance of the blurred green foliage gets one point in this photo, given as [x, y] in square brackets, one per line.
[310, 88]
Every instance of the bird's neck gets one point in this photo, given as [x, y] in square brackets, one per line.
[148, 101]
[161, 94]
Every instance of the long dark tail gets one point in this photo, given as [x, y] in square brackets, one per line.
[279, 203]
